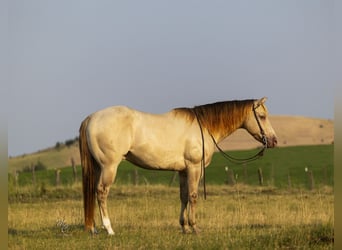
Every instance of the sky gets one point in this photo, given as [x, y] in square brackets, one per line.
[68, 59]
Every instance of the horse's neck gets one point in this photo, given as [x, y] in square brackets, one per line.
[220, 136]
[223, 118]
[232, 125]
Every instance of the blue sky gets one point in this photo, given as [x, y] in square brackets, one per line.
[68, 59]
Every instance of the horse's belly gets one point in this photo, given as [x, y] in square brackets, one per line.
[159, 161]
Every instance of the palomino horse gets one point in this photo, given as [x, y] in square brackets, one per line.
[178, 140]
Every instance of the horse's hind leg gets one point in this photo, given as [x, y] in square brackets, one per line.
[107, 177]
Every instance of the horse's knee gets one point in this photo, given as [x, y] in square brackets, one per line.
[193, 197]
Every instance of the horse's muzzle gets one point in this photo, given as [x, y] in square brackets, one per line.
[272, 142]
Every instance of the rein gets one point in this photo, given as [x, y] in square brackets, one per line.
[252, 158]
[203, 156]
[225, 155]
[239, 160]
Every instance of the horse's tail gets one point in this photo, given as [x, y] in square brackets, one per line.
[89, 177]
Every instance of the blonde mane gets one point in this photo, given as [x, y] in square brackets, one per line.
[220, 118]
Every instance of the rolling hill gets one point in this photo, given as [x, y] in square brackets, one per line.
[291, 131]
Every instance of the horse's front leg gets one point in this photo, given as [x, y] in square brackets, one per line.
[184, 197]
[194, 175]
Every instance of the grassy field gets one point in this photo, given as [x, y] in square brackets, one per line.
[146, 217]
[283, 213]
[281, 167]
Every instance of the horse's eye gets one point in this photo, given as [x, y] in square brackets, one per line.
[262, 117]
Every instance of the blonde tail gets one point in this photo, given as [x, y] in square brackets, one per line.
[89, 177]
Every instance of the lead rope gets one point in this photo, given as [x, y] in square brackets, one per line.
[239, 160]
[228, 157]
[252, 158]
[203, 156]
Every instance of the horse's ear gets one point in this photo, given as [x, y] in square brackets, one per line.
[260, 102]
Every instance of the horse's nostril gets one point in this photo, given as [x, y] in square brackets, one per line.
[275, 142]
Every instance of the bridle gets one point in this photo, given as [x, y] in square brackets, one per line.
[228, 157]
[252, 158]
[262, 132]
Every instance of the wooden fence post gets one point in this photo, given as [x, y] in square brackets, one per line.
[261, 177]
[230, 177]
[135, 177]
[173, 179]
[58, 179]
[311, 180]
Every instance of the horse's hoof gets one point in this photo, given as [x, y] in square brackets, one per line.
[186, 230]
[196, 230]
[110, 233]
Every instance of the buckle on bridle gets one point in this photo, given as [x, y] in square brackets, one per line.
[264, 140]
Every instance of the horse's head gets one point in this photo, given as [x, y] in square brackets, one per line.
[258, 124]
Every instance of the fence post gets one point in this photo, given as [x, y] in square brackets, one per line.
[135, 177]
[173, 179]
[261, 177]
[310, 178]
[230, 176]
[58, 180]
[74, 169]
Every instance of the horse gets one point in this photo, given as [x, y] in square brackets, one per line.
[182, 140]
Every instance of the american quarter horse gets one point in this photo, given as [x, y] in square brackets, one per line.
[177, 140]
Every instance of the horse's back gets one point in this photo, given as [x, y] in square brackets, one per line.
[159, 141]
[122, 128]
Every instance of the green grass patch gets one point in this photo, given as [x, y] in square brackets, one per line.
[281, 168]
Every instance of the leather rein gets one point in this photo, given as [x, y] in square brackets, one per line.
[252, 158]
[225, 155]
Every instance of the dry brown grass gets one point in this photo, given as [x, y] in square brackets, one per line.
[146, 217]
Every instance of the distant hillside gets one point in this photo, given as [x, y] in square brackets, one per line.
[291, 131]
[51, 158]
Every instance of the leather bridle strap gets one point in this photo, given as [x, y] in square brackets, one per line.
[203, 156]
[262, 132]
[252, 158]
[228, 157]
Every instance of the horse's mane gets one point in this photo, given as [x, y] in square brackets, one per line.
[220, 118]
